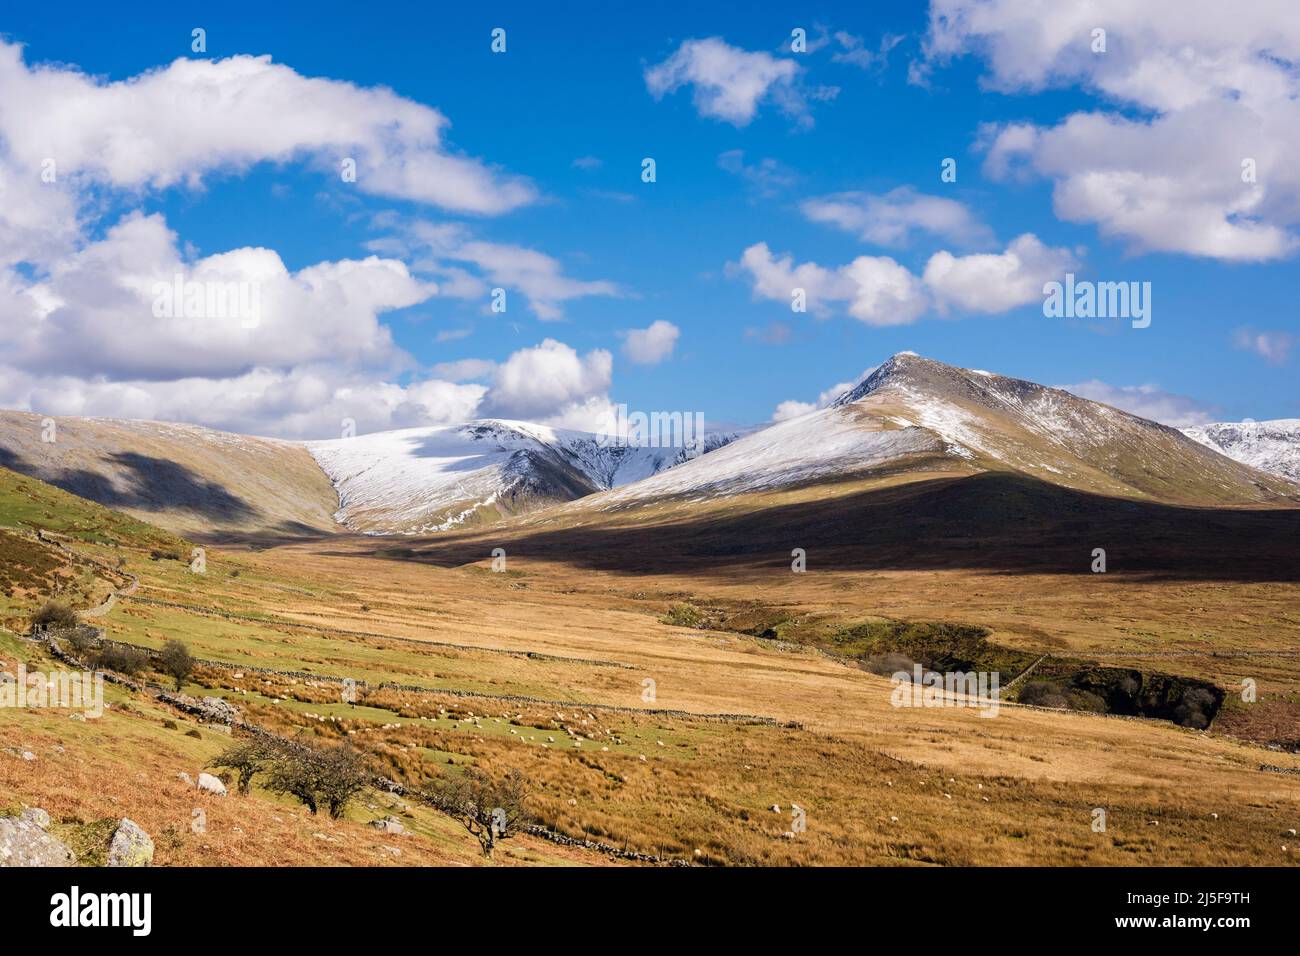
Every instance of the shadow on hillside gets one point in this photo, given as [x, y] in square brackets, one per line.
[144, 483]
[280, 535]
[993, 522]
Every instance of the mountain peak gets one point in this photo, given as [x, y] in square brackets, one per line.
[906, 368]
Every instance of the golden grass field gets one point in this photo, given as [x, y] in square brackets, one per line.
[879, 784]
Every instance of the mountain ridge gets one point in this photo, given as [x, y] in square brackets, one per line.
[1272, 446]
[911, 416]
[959, 419]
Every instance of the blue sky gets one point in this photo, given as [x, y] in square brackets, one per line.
[568, 108]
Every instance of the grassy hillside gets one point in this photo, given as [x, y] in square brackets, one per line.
[35, 568]
[649, 728]
[189, 479]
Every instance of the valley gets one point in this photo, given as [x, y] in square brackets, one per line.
[648, 658]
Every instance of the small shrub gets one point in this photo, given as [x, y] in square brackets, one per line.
[1043, 693]
[83, 642]
[1196, 708]
[684, 615]
[125, 660]
[54, 614]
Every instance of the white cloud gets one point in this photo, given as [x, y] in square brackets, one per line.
[886, 293]
[777, 278]
[650, 346]
[537, 276]
[551, 383]
[985, 282]
[177, 124]
[855, 52]
[1272, 346]
[730, 83]
[94, 314]
[84, 313]
[1208, 85]
[889, 219]
[877, 290]
[1147, 401]
[793, 408]
[305, 402]
[767, 176]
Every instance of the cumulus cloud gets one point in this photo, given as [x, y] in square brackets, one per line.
[992, 283]
[1200, 160]
[890, 219]
[877, 290]
[1147, 401]
[793, 408]
[552, 383]
[106, 311]
[304, 402]
[110, 310]
[177, 124]
[650, 346]
[729, 83]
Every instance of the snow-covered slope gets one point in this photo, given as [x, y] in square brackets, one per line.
[1269, 446]
[420, 480]
[913, 412]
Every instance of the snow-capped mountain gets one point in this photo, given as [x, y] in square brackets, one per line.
[1269, 446]
[912, 417]
[914, 414]
[421, 480]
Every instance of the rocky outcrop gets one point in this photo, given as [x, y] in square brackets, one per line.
[130, 846]
[24, 842]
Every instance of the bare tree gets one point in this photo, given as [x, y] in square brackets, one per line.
[490, 810]
[318, 775]
[247, 759]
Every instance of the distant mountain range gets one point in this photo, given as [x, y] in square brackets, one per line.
[422, 480]
[917, 414]
[911, 417]
[1269, 446]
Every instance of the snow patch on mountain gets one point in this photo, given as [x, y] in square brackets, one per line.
[421, 480]
[1272, 446]
[824, 443]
